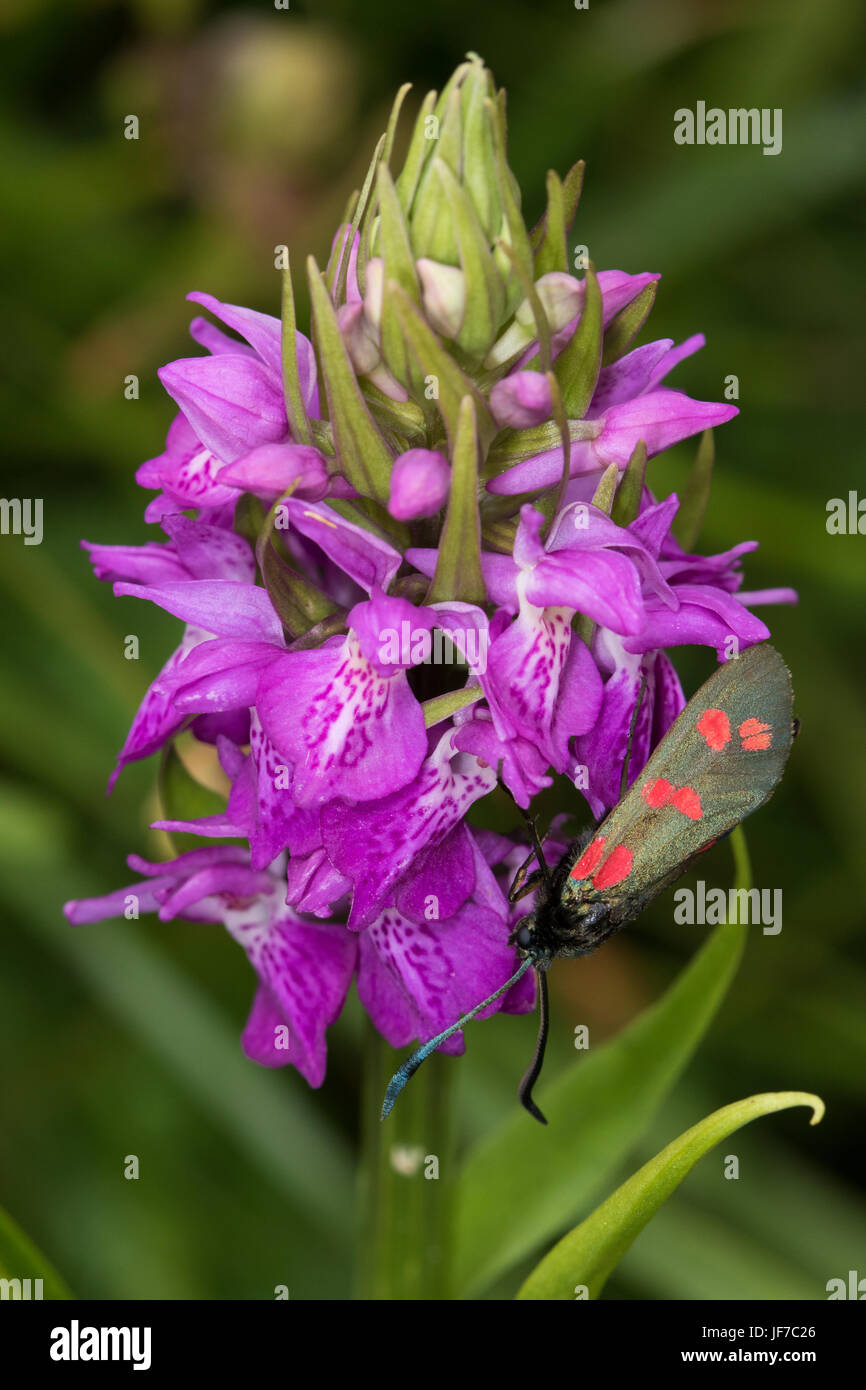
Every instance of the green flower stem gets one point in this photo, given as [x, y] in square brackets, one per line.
[405, 1209]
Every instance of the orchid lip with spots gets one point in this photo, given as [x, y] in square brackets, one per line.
[325, 524]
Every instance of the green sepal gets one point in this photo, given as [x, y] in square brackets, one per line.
[458, 566]
[589, 1254]
[578, 365]
[696, 494]
[296, 412]
[443, 706]
[626, 504]
[433, 361]
[485, 295]
[363, 454]
[552, 253]
[626, 324]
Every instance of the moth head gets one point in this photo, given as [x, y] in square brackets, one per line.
[522, 936]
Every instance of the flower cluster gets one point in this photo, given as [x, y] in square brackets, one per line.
[415, 558]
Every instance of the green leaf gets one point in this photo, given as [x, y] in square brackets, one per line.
[523, 1182]
[589, 1253]
[514, 231]
[572, 185]
[578, 365]
[21, 1259]
[363, 454]
[696, 494]
[626, 504]
[338, 264]
[432, 228]
[485, 294]
[295, 409]
[552, 253]
[298, 603]
[400, 267]
[458, 566]
[407, 181]
[393, 121]
[480, 128]
[513, 446]
[606, 489]
[627, 323]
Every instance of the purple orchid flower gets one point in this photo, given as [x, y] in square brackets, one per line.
[398, 640]
[304, 968]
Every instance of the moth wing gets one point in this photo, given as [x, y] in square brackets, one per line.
[721, 759]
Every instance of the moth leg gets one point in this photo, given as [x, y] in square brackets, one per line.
[523, 885]
[537, 846]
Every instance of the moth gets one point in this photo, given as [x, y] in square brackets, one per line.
[721, 759]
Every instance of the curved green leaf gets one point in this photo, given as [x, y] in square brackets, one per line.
[20, 1259]
[523, 1183]
[589, 1253]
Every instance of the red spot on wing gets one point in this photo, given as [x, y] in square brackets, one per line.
[755, 736]
[589, 859]
[687, 800]
[658, 792]
[715, 728]
[615, 868]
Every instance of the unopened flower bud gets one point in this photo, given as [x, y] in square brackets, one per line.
[561, 296]
[357, 335]
[274, 469]
[443, 290]
[420, 483]
[521, 400]
[373, 291]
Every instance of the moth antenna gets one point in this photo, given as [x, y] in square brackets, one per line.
[411, 1065]
[623, 781]
[533, 1072]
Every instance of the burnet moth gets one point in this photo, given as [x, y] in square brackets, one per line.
[720, 760]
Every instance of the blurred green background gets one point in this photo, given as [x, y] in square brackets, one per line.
[255, 126]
